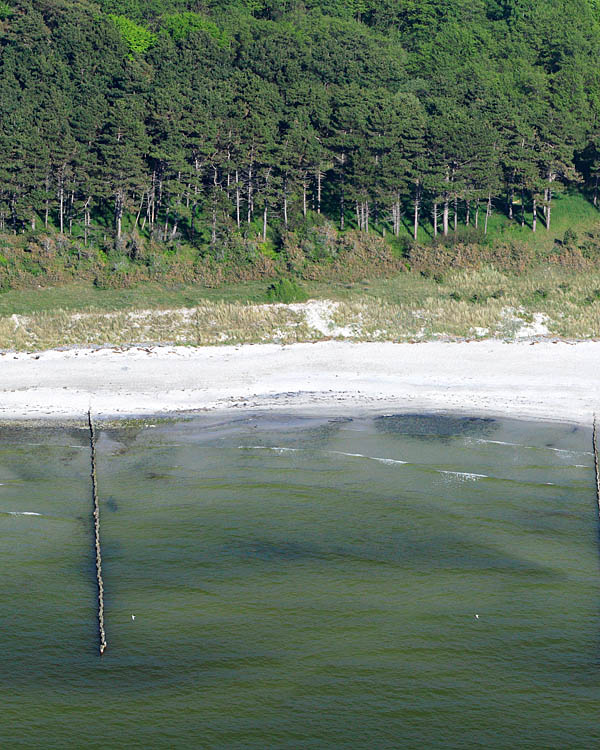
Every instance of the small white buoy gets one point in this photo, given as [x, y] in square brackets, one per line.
[477, 617]
[133, 617]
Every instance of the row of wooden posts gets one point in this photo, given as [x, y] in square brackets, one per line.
[98, 549]
[596, 461]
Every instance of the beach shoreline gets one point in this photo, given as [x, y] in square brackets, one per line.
[542, 380]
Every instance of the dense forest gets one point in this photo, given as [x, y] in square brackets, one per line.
[226, 125]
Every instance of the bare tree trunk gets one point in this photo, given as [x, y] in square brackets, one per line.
[152, 202]
[549, 200]
[596, 192]
[446, 211]
[71, 204]
[61, 200]
[86, 220]
[468, 213]
[342, 210]
[534, 218]
[366, 215]
[139, 213]
[118, 213]
[319, 179]
[445, 217]
[47, 200]
[237, 198]
[522, 208]
[435, 219]
[249, 195]
[416, 216]
[488, 212]
[455, 213]
[285, 206]
[511, 198]
[264, 235]
[545, 204]
[477, 214]
[304, 205]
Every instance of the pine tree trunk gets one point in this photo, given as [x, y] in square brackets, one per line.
[319, 179]
[237, 199]
[342, 210]
[545, 204]
[86, 220]
[511, 198]
[522, 208]
[61, 201]
[264, 235]
[285, 207]
[139, 213]
[534, 218]
[47, 200]
[468, 213]
[152, 202]
[488, 211]
[304, 205]
[366, 222]
[249, 195]
[455, 214]
[416, 216]
[445, 216]
[446, 206]
[435, 219]
[596, 192]
[477, 214]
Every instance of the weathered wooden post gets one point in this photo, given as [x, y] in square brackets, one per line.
[596, 461]
[96, 515]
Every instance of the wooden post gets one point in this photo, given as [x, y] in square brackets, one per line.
[96, 514]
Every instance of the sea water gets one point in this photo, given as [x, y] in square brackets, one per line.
[286, 582]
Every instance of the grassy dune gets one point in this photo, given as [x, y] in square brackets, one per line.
[463, 304]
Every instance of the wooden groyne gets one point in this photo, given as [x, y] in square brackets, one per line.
[596, 461]
[101, 632]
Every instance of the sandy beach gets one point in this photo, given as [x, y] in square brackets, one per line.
[542, 380]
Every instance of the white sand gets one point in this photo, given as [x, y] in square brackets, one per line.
[545, 380]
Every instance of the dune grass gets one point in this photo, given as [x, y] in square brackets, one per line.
[471, 304]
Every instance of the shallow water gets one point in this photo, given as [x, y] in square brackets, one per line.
[302, 583]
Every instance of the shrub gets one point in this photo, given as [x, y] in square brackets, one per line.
[570, 238]
[286, 291]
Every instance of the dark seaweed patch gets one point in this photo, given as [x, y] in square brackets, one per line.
[435, 426]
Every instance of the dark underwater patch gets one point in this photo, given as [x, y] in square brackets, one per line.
[436, 426]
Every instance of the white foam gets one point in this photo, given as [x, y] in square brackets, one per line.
[536, 447]
[500, 442]
[370, 458]
[463, 475]
[22, 513]
[275, 448]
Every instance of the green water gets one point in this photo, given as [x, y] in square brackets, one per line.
[289, 595]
